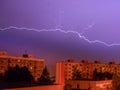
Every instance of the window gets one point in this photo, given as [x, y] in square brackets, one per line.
[18, 60]
[31, 67]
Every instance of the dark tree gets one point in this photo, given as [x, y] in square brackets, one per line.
[95, 72]
[45, 77]
[101, 76]
[10, 75]
[26, 75]
[107, 75]
[18, 74]
[1, 77]
[76, 74]
[87, 74]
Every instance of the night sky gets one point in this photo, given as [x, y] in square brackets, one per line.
[57, 30]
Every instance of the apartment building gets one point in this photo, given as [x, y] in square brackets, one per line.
[65, 69]
[34, 65]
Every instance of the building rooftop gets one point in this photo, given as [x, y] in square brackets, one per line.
[87, 62]
[24, 57]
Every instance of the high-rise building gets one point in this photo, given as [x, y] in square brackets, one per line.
[65, 69]
[34, 65]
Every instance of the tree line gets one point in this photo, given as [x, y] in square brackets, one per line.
[22, 74]
[77, 75]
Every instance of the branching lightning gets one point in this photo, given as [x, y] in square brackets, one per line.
[60, 30]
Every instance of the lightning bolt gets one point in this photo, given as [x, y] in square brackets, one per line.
[60, 30]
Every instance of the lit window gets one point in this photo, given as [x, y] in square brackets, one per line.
[18, 60]
[31, 68]
[103, 68]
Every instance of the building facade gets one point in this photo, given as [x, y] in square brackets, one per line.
[88, 85]
[65, 69]
[34, 65]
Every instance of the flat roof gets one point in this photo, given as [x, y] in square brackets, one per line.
[22, 58]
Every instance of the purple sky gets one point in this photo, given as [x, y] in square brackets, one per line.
[99, 20]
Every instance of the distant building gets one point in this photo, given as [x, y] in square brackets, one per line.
[34, 65]
[88, 85]
[65, 69]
